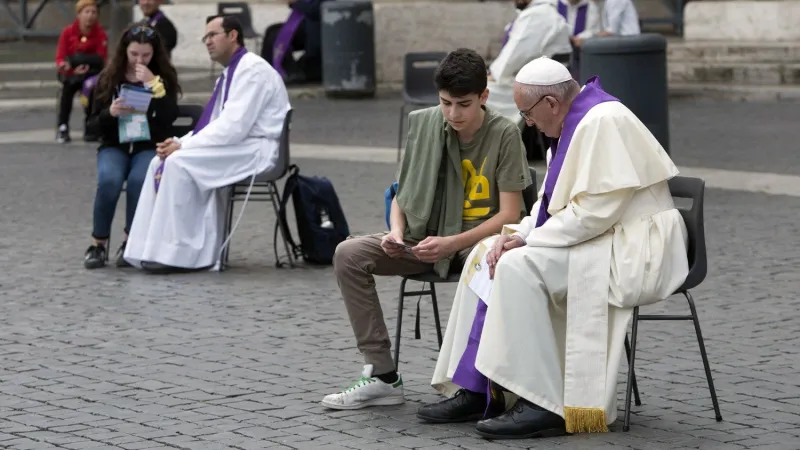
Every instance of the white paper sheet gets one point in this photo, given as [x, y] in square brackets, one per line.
[135, 97]
[479, 282]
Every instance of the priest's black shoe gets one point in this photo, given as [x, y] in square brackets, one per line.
[525, 420]
[163, 269]
[465, 406]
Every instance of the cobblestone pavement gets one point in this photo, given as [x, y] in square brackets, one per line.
[116, 359]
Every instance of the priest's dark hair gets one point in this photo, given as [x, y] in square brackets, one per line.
[230, 23]
[461, 72]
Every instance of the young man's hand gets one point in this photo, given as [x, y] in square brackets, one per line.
[394, 251]
[434, 248]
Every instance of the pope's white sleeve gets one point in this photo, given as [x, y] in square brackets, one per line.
[585, 217]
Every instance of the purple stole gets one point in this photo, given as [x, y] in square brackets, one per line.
[152, 21]
[205, 118]
[580, 19]
[466, 375]
[507, 33]
[284, 39]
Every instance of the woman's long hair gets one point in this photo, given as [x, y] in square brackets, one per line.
[114, 73]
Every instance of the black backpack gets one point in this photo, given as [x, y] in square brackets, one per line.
[320, 220]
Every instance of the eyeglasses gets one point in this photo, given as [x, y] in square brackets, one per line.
[211, 35]
[149, 32]
[524, 114]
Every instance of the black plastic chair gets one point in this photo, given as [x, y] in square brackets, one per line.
[418, 86]
[264, 189]
[528, 197]
[686, 188]
[240, 10]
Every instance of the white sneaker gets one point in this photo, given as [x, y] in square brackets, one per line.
[368, 391]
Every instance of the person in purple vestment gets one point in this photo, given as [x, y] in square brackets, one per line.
[156, 19]
[179, 221]
[603, 238]
[301, 31]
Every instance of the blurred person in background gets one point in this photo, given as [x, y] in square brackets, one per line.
[301, 31]
[81, 53]
[157, 20]
[140, 59]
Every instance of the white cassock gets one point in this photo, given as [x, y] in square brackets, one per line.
[593, 23]
[539, 30]
[181, 225]
[620, 18]
[626, 244]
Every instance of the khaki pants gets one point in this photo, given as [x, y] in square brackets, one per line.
[355, 262]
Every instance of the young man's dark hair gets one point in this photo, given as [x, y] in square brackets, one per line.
[230, 23]
[461, 72]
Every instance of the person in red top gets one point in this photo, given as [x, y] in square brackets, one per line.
[81, 53]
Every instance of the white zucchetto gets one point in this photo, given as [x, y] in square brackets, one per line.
[543, 72]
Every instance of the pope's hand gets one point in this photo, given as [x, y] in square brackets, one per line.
[501, 245]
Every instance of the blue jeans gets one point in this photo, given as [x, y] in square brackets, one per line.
[114, 167]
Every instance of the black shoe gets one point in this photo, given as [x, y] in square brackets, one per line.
[163, 269]
[525, 420]
[95, 257]
[62, 135]
[465, 406]
[120, 253]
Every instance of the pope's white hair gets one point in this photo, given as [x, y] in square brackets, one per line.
[564, 91]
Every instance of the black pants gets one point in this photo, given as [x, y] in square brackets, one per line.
[309, 66]
[69, 88]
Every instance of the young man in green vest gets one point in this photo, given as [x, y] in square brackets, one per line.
[460, 181]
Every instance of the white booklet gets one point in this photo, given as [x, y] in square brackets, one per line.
[478, 275]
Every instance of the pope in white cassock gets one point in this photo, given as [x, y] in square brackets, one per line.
[178, 221]
[538, 30]
[603, 237]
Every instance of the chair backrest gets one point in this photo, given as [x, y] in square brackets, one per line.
[188, 115]
[284, 160]
[418, 70]
[241, 10]
[694, 189]
[529, 194]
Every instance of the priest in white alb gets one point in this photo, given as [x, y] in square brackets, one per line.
[178, 222]
[538, 30]
[603, 237]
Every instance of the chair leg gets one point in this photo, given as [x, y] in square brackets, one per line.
[636, 400]
[435, 305]
[399, 326]
[273, 196]
[703, 354]
[400, 131]
[228, 224]
[634, 331]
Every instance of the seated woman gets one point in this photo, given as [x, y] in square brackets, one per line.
[81, 53]
[127, 137]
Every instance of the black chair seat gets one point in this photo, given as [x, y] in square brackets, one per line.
[430, 277]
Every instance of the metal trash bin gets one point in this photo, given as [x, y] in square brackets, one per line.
[348, 48]
[633, 69]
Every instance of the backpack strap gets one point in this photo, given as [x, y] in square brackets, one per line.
[288, 189]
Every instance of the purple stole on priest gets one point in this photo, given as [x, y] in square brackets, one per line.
[152, 21]
[466, 375]
[580, 19]
[208, 111]
[284, 39]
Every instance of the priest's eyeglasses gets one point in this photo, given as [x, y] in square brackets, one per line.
[524, 114]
